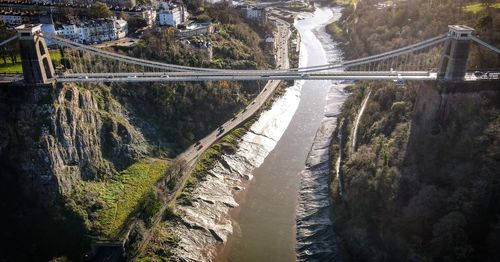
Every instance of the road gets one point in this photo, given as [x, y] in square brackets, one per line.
[9, 78]
[192, 153]
[242, 76]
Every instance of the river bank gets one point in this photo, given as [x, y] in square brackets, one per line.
[248, 200]
[316, 240]
[266, 219]
[416, 181]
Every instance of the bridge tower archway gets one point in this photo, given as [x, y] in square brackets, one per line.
[35, 56]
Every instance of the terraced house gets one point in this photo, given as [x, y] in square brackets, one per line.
[94, 31]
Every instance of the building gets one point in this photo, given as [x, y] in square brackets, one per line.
[254, 13]
[196, 29]
[121, 27]
[94, 31]
[11, 18]
[60, 7]
[148, 14]
[203, 48]
[172, 13]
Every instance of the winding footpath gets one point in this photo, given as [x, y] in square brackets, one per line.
[356, 123]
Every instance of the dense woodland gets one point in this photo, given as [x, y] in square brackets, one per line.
[422, 185]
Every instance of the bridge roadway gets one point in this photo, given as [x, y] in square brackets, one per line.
[242, 76]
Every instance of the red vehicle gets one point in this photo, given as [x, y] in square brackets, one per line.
[199, 147]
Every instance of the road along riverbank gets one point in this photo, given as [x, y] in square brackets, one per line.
[248, 201]
[265, 222]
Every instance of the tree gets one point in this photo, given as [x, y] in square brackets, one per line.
[135, 23]
[449, 238]
[99, 10]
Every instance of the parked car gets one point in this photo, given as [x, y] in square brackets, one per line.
[199, 147]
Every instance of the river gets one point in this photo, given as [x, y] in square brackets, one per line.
[253, 199]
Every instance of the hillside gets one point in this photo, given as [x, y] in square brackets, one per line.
[80, 162]
[422, 182]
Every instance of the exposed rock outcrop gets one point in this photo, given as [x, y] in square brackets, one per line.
[52, 139]
[77, 140]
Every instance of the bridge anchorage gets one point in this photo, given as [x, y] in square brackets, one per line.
[444, 58]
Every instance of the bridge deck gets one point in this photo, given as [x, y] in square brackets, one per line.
[214, 76]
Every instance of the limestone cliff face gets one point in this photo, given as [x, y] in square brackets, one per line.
[51, 139]
[66, 134]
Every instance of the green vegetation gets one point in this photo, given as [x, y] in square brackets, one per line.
[99, 10]
[161, 245]
[480, 7]
[11, 68]
[178, 114]
[229, 143]
[373, 31]
[420, 185]
[12, 65]
[335, 31]
[109, 204]
[151, 205]
[102, 202]
[340, 2]
[415, 187]
[299, 7]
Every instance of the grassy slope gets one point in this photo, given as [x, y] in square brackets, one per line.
[16, 68]
[119, 197]
[479, 7]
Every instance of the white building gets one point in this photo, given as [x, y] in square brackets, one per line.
[172, 15]
[255, 13]
[121, 28]
[94, 31]
[11, 18]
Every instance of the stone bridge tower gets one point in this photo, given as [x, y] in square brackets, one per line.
[35, 57]
[453, 63]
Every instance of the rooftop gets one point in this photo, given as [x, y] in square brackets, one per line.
[29, 28]
[460, 28]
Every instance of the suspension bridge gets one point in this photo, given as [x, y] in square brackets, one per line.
[444, 57]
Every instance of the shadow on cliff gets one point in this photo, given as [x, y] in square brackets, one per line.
[451, 169]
